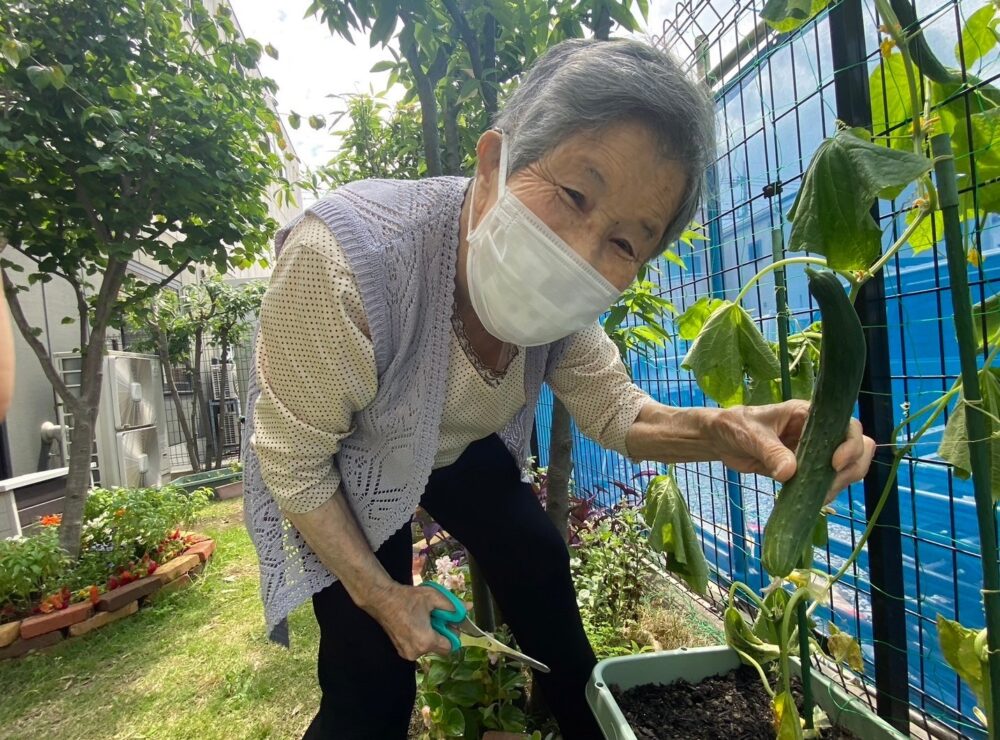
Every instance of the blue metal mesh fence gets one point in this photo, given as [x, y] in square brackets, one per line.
[776, 102]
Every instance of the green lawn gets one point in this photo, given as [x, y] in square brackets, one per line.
[195, 665]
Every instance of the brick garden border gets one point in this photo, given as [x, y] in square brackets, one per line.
[44, 630]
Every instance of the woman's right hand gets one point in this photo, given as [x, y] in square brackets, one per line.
[405, 614]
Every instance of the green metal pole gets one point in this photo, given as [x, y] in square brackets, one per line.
[979, 451]
[781, 299]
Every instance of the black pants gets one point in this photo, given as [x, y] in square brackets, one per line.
[369, 690]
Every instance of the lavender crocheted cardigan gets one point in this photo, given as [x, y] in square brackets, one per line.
[401, 241]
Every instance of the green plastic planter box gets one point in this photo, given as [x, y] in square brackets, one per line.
[696, 664]
[210, 479]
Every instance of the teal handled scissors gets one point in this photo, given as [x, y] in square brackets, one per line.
[469, 635]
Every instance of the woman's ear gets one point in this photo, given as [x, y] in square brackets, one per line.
[487, 173]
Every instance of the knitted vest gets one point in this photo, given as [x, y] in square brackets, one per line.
[401, 241]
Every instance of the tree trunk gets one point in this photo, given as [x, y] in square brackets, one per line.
[452, 147]
[189, 440]
[489, 81]
[78, 479]
[201, 406]
[220, 438]
[428, 109]
[602, 24]
[560, 468]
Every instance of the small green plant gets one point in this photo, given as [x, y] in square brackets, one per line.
[29, 568]
[607, 590]
[469, 691]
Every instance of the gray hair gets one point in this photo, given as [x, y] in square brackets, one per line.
[584, 85]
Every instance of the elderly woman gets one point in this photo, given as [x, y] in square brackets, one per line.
[403, 341]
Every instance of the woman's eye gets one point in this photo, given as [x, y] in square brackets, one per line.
[575, 196]
[625, 247]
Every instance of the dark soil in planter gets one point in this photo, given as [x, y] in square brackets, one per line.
[730, 707]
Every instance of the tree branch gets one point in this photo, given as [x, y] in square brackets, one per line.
[21, 321]
[467, 35]
[88, 206]
[151, 288]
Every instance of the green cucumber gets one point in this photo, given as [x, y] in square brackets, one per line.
[789, 530]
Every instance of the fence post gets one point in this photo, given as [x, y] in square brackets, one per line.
[734, 484]
[885, 551]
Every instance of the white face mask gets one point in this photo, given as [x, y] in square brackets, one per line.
[528, 286]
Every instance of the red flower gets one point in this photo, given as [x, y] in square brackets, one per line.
[126, 577]
[51, 520]
[113, 583]
[94, 595]
[151, 568]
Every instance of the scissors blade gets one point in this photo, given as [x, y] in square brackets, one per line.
[488, 642]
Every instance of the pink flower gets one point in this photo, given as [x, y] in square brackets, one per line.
[425, 715]
[444, 566]
[455, 581]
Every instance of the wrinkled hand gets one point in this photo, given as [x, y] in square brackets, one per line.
[763, 439]
[405, 614]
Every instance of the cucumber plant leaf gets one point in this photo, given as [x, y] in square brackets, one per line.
[672, 533]
[831, 213]
[843, 648]
[690, 322]
[978, 38]
[965, 651]
[728, 348]
[986, 313]
[787, 15]
[741, 638]
[954, 448]
[787, 725]
[767, 625]
[890, 101]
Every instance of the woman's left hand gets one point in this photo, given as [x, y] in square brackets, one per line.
[763, 439]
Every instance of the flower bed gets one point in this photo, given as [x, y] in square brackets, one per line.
[132, 550]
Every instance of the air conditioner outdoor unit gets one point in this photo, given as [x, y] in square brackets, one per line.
[230, 389]
[131, 431]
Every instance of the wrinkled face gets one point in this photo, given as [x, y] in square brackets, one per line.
[609, 194]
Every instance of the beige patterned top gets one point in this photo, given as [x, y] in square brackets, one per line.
[316, 368]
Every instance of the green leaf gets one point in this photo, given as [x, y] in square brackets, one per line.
[831, 213]
[438, 671]
[511, 718]
[890, 101]
[673, 534]
[383, 66]
[58, 77]
[978, 37]
[454, 723]
[14, 51]
[741, 638]
[385, 25]
[788, 15]
[729, 347]
[465, 693]
[67, 320]
[40, 77]
[317, 122]
[988, 311]
[294, 120]
[954, 448]
[843, 648]
[271, 51]
[958, 645]
[767, 625]
[690, 322]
